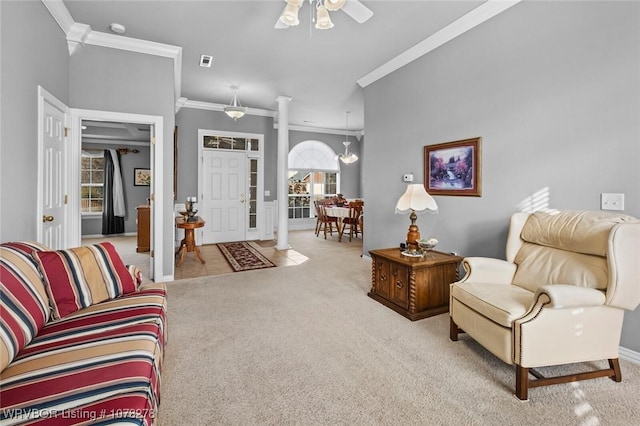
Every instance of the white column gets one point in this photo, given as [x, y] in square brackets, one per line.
[283, 172]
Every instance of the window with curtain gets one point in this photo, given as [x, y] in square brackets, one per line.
[313, 175]
[92, 182]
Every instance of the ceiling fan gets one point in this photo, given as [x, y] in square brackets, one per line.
[289, 17]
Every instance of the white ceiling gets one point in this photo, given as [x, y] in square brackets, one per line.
[317, 69]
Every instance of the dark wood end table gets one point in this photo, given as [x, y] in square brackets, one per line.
[416, 287]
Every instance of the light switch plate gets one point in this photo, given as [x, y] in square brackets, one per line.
[407, 177]
[610, 201]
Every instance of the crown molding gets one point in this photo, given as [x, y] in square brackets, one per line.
[356, 133]
[77, 36]
[477, 16]
[60, 14]
[115, 41]
[210, 106]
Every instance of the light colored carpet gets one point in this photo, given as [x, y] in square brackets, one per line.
[305, 345]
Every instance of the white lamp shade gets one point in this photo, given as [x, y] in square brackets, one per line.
[334, 5]
[290, 15]
[416, 198]
[324, 20]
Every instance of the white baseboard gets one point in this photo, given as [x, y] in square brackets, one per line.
[629, 355]
[126, 234]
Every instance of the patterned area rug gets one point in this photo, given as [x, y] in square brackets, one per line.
[242, 257]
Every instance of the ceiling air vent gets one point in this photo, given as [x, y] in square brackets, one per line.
[205, 61]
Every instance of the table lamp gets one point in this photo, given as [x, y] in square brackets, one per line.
[415, 199]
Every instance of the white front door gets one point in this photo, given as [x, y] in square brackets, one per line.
[223, 206]
[52, 200]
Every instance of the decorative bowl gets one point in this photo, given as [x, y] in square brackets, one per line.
[428, 245]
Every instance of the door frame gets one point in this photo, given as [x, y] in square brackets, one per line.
[260, 232]
[74, 231]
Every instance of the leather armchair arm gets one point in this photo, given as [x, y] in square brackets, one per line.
[568, 296]
[488, 270]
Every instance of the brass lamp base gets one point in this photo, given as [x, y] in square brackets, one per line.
[413, 236]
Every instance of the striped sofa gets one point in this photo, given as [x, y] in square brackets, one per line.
[81, 341]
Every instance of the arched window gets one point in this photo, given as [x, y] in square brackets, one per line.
[313, 174]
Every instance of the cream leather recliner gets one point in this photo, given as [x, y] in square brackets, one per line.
[559, 298]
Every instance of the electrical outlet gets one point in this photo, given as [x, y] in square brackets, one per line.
[611, 201]
[407, 177]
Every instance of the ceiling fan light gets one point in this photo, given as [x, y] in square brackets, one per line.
[334, 5]
[290, 15]
[324, 20]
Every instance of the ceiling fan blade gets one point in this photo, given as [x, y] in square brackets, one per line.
[357, 11]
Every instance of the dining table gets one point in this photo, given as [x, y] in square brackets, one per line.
[340, 213]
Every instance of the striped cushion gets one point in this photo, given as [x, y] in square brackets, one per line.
[84, 371]
[80, 277]
[24, 305]
[144, 306]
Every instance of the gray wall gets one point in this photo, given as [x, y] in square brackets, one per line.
[116, 80]
[33, 52]
[553, 90]
[190, 120]
[134, 196]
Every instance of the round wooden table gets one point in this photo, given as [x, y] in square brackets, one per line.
[189, 241]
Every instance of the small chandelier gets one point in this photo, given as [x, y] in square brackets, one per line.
[322, 19]
[347, 157]
[235, 110]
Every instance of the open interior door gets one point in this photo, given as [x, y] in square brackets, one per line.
[52, 177]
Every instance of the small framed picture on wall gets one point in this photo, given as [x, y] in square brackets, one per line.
[141, 177]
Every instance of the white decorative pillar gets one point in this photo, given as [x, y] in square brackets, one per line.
[283, 172]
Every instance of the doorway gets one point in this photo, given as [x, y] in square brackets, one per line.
[153, 191]
[128, 147]
[231, 187]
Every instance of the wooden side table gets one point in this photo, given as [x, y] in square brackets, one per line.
[189, 242]
[416, 287]
[144, 228]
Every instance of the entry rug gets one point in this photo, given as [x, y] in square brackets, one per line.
[242, 257]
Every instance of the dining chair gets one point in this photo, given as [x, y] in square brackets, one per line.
[326, 221]
[353, 221]
[316, 204]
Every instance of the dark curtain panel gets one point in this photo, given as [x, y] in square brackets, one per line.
[111, 224]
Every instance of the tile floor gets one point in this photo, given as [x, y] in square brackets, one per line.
[216, 264]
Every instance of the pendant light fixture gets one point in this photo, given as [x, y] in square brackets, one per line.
[347, 157]
[235, 110]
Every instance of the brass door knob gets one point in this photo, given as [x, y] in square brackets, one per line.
[46, 218]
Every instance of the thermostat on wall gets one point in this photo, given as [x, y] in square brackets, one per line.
[407, 177]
